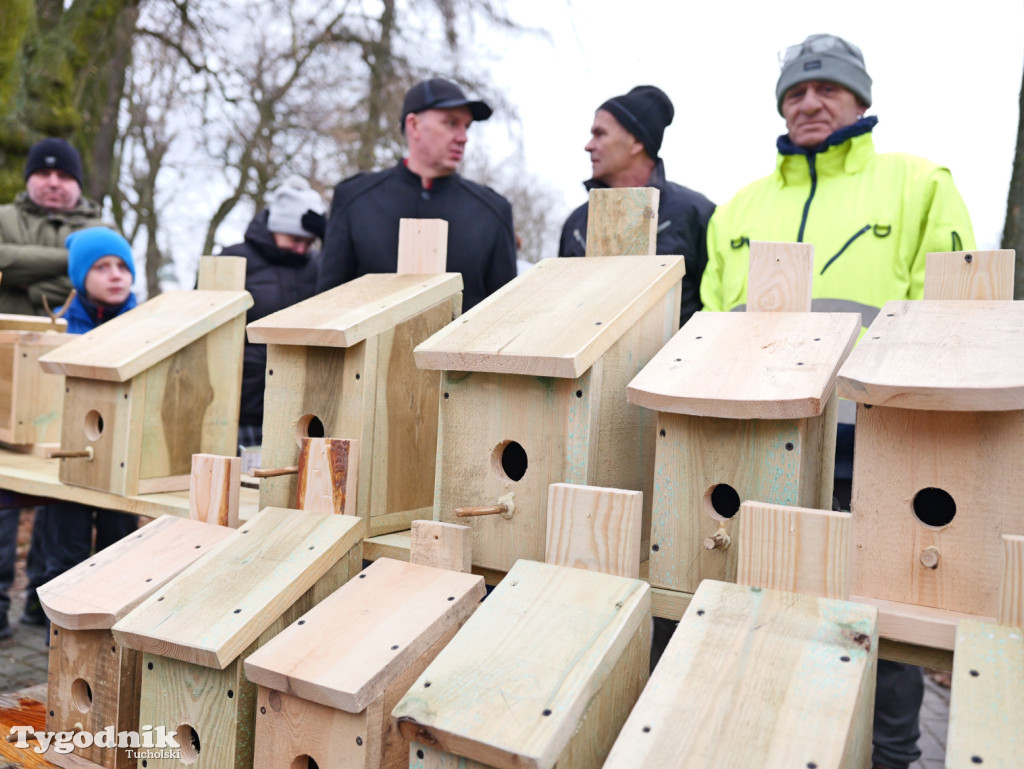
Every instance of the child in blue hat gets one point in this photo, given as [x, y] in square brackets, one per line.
[102, 271]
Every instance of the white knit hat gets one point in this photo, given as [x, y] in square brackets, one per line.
[292, 199]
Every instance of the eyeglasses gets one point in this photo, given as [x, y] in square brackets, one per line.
[817, 44]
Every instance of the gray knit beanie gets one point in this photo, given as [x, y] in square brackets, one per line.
[292, 199]
[824, 57]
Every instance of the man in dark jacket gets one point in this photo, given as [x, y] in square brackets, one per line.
[362, 230]
[281, 270]
[624, 143]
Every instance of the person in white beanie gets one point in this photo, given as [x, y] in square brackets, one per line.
[281, 269]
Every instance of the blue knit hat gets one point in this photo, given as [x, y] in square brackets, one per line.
[88, 246]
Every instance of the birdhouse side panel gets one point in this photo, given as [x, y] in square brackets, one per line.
[818, 456]
[93, 683]
[933, 493]
[30, 399]
[626, 433]
[105, 417]
[401, 473]
[705, 467]
[289, 729]
[316, 392]
[192, 401]
[506, 438]
[8, 371]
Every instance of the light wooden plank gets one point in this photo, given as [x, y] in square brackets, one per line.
[37, 476]
[328, 474]
[378, 624]
[919, 625]
[30, 399]
[441, 545]
[34, 323]
[623, 220]
[748, 365]
[221, 273]
[973, 457]
[214, 486]
[796, 549]
[757, 677]
[220, 604]
[780, 277]
[513, 686]
[354, 311]
[969, 275]
[941, 355]
[986, 720]
[104, 588]
[422, 246]
[130, 343]
[105, 417]
[591, 302]
[1011, 584]
[594, 528]
[289, 727]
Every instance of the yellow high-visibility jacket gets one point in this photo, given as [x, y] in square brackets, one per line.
[871, 218]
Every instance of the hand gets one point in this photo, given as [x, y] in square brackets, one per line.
[315, 223]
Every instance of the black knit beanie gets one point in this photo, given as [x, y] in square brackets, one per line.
[644, 112]
[54, 153]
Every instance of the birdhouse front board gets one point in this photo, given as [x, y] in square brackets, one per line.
[328, 682]
[150, 388]
[93, 681]
[340, 365]
[196, 632]
[533, 393]
[543, 674]
[746, 410]
[30, 399]
[758, 677]
[938, 474]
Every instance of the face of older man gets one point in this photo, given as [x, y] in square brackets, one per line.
[54, 189]
[437, 140]
[815, 109]
[613, 150]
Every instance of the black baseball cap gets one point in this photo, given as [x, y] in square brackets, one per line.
[438, 93]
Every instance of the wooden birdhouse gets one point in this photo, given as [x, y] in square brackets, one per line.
[328, 682]
[938, 474]
[746, 410]
[196, 632]
[30, 399]
[542, 675]
[150, 388]
[340, 365]
[93, 680]
[533, 393]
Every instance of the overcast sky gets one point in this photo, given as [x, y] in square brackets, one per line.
[947, 79]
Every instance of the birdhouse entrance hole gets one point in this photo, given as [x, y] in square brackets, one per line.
[188, 739]
[509, 460]
[304, 762]
[934, 507]
[81, 695]
[93, 425]
[309, 426]
[722, 502]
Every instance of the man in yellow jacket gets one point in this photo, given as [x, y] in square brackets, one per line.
[872, 218]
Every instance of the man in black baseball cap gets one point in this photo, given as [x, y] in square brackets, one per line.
[362, 231]
[624, 147]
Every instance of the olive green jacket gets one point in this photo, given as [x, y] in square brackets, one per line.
[33, 260]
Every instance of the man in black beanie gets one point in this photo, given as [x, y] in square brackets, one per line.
[625, 140]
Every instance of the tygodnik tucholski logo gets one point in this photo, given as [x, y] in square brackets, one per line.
[148, 743]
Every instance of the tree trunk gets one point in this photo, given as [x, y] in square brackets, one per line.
[1013, 229]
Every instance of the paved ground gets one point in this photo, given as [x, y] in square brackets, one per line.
[23, 663]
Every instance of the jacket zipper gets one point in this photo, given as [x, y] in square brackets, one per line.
[846, 245]
[810, 197]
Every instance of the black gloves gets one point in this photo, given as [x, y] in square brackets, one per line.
[315, 223]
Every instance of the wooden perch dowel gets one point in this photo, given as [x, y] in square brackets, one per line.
[930, 557]
[273, 472]
[86, 453]
[720, 541]
[469, 512]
